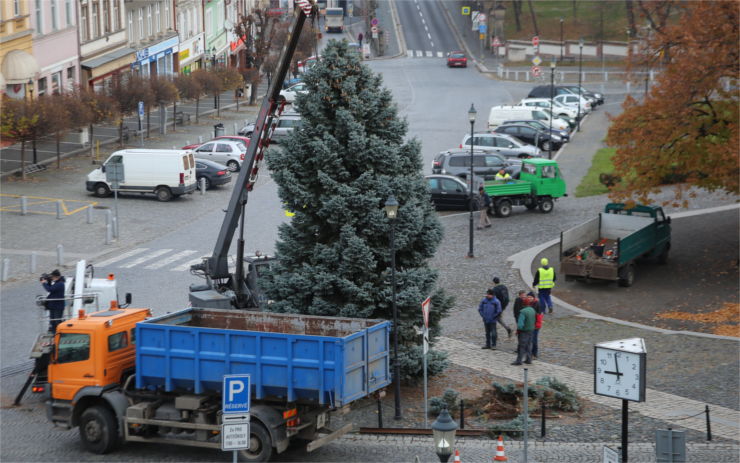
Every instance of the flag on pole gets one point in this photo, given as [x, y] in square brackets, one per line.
[305, 5]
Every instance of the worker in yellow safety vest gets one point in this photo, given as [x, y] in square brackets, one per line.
[544, 281]
[503, 175]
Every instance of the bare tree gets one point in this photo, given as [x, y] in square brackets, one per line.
[102, 108]
[190, 89]
[163, 91]
[632, 28]
[17, 120]
[534, 18]
[257, 31]
[210, 83]
[55, 118]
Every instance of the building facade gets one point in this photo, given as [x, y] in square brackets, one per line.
[217, 44]
[151, 32]
[189, 26]
[104, 50]
[55, 45]
[17, 64]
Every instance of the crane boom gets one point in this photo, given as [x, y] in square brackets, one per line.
[216, 266]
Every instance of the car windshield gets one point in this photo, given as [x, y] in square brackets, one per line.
[457, 55]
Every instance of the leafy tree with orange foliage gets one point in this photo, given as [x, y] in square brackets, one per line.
[686, 128]
[18, 120]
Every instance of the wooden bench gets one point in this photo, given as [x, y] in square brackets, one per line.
[127, 133]
[182, 117]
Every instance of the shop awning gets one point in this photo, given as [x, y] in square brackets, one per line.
[107, 58]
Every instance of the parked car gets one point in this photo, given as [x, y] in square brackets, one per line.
[572, 101]
[457, 162]
[291, 81]
[560, 110]
[596, 97]
[502, 113]
[227, 152]
[306, 64]
[564, 134]
[290, 93]
[244, 140]
[286, 124]
[215, 174]
[457, 59]
[530, 135]
[449, 192]
[543, 91]
[166, 173]
[503, 144]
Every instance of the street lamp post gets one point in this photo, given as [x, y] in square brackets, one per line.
[580, 73]
[443, 432]
[391, 210]
[561, 39]
[552, 111]
[471, 116]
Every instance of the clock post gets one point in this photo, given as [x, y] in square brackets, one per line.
[619, 372]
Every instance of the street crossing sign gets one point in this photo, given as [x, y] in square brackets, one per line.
[235, 394]
[536, 71]
[536, 61]
[496, 42]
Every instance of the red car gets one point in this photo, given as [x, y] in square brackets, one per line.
[244, 140]
[457, 59]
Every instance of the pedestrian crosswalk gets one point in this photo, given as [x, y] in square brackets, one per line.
[153, 259]
[424, 54]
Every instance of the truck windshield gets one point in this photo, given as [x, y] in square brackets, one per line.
[73, 347]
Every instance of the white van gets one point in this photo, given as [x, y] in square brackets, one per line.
[166, 173]
[499, 114]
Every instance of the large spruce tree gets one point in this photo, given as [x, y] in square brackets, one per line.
[335, 173]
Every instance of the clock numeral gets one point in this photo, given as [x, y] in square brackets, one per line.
[634, 386]
[637, 376]
[617, 392]
[608, 388]
[634, 366]
[598, 370]
[601, 380]
[603, 361]
[608, 355]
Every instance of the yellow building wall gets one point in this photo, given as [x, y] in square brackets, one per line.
[15, 31]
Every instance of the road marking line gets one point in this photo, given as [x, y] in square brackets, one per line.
[186, 265]
[170, 259]
[150, 256]
[430, 36]
[125, 255]
[419, 53]
[429, 54]
[410, 53]
[440, 55]
[423, 21]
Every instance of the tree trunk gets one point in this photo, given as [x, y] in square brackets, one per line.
[631, 18]
[33, 144]
[517, 14]
[217, 99]
[534, 18]
[575, 12]
[23, 159]
[120, 133]
[174, 116]
[236, 97]
[148, 114]
[197, 105]
[92, 139]
[59, 155]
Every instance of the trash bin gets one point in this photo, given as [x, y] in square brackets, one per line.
[218, 130]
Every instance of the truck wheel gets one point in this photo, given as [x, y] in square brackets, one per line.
[98, 430]
[503, 208]
[260, 444]
[663, 257]
[101, 190]
[546, 205]
[163, 193]
[627, 276]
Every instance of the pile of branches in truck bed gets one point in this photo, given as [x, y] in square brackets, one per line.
[602, 249]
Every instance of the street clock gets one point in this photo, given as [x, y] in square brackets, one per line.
[619, 369]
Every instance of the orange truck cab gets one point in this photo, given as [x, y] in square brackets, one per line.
[94, 354]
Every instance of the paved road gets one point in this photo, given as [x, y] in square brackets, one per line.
[425, 31]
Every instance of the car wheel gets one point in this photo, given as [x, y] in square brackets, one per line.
[101, 190]
[163, 194]
[233, 166]
[260, 444]
[503, 208]
[546, 145]
[546, 205]
[663, 257]
[98, 430]
[627, 276]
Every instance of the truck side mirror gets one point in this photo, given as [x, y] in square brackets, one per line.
[102, 168]
[667, 220]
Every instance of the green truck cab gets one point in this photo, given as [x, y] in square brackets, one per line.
[540, 183]
[608, 246]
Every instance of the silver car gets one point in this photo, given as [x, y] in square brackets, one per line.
[503, 144]
[227, 152]
[286, 124]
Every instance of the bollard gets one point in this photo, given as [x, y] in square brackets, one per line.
[59, 210]
[24, 205]
[114, 226]
[628, 86]
[543, 430]
[462, 414]
[60, 254]
[108, 216]
[6, 270]
[202, 184]
[108, 234]
[709, 426]
[90, 214]
[32, 262]
[525, 413]
[380, 413]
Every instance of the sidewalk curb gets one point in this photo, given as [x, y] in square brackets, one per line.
[522, 261]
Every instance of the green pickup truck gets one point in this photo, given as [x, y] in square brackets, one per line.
[607, 247]
[539, 184]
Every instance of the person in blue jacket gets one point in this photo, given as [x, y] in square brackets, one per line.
[54, 284]
[490, 309]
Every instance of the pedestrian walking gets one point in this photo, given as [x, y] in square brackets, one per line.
[525, 328]
[519, 303]
[485, 203]
[544, 281]
[502, 294]
[54, 284]
[359, 39]
[538, 318]
[489, 310]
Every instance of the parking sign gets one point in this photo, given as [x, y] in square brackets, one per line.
[236, 394]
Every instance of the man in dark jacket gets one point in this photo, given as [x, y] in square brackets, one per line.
[489, 310]
[502, 294]
[54, 284]
[525, 325]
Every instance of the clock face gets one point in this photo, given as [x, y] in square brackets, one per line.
[619, 374]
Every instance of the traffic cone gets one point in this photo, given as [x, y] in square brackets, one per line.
[457, 457]
[500, 455]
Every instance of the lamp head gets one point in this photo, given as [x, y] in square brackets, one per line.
[391, 207]
[580, 42]
[471, 113]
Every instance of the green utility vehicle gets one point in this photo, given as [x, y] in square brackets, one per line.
[606, 247]
[539, 184]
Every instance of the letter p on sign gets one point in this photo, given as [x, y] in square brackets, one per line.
[236, 390]
[235, 387]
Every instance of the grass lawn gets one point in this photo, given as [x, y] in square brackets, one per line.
[602, 163]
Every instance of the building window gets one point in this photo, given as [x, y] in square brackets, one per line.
[106, 16]
[54, 23]
[41, 86]
[95, 23]
[157, 19]
[167, 25]
[56, 82]
[209, 26]
[130, 29]
[181, 26]
[16, 7]
[116, 16]
[149, 20]
[83, 24]
[70, 75]
[141, 23]
[68, 12]
[39, 20]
